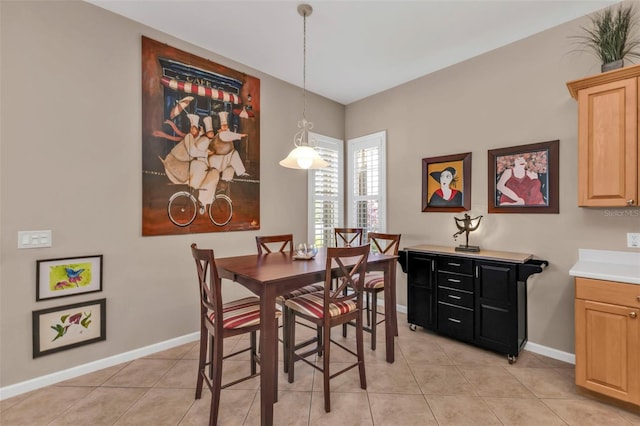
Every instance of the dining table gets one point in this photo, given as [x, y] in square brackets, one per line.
[273, 274]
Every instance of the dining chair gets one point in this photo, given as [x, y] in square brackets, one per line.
[374, 281]
[347, 237]
[281, 244]
[330, 308]
[217, 322]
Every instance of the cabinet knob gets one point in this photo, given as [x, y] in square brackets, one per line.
[630, 202]
[633, 315]
[638, 298]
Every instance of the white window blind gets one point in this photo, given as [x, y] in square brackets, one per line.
[326, 193]
[366, 182]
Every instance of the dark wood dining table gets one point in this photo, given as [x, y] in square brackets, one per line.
[273, 274]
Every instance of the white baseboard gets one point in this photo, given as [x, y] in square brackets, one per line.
[60, 376]
[550, 352]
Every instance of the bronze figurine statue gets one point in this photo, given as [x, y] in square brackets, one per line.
[466, 225]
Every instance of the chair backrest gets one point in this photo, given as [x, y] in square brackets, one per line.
[348, 237]
[384, 243]
[209, 283]
[277, 243]
[351, 277]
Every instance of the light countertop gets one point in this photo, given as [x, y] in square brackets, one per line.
[482, 254]
[607, 265]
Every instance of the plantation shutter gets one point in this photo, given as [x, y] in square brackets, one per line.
[326, 192]
[367, 183]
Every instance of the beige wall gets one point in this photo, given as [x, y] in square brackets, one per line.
[511, 96]
[71, 162]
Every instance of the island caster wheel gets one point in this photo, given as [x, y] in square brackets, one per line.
[412, 327]
[512, 358]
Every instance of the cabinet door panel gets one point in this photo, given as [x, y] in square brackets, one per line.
[421, 307]
[421, 293]
[495, 282]
[607, 144]
[496, 321]
[420, 270]
[607, 360]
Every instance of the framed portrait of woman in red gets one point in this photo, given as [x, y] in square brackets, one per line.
[446, 183]
[524, 178]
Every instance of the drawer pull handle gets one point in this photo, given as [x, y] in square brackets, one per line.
[457, 321]
[454, 297]
[453, 264]
[633, 315]
[452, 280]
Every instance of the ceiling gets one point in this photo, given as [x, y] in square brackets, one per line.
[354, 48]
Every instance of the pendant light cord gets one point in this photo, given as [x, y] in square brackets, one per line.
[304, 66]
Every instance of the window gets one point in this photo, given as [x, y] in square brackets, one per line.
[366, 182]
[326, 193]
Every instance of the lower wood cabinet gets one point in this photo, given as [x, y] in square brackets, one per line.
[479, 298]
[607, 332]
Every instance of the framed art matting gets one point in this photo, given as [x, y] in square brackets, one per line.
[65, 327]
[446, 183]
[524, 178]
[68, 276]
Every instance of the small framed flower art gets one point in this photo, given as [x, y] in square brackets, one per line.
[68, 276]
[65, 327]
[524, 178]
[446, 183]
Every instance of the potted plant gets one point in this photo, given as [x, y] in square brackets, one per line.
[612, 36]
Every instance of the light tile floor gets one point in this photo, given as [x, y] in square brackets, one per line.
[434, 381]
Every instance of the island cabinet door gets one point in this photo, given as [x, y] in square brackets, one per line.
[421, 294]
[496, 319]
[607, 346]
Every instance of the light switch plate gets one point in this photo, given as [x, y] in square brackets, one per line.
[34, 239]
[633, 239]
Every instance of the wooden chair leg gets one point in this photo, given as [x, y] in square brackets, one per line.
[326, 343]
[201, 361]
[360, 351]
[291, 337]
[254, 352]
[319, 337]
[216, 382]
[285, 337]
[374, 318]
[366, 295]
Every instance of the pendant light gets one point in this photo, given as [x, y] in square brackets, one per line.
[304, 156]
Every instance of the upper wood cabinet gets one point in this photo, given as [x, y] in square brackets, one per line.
[608, 138]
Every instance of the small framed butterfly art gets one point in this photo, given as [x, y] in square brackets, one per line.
[68, 276]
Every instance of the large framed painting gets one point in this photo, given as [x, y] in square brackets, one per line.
[446, 183]
[200, 144]
[524, 178]
[65, 327]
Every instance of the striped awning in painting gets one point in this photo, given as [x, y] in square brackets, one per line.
[195, 89]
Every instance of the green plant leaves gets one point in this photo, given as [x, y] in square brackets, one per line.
[612, 35]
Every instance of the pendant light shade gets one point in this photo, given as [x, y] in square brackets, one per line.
[304, 156]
